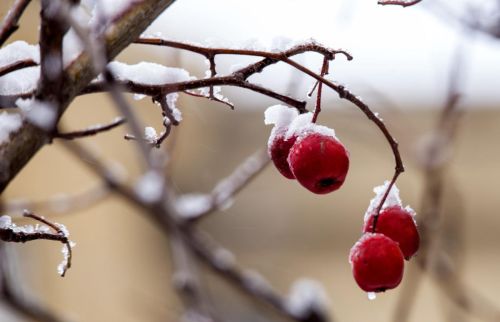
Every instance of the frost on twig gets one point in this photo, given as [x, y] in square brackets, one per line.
[10, 232]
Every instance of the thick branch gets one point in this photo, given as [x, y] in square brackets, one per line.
[28, 140]
[232, 80]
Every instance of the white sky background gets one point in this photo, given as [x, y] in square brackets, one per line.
[404, 53]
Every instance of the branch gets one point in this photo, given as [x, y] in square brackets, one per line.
[11, 295]
[231, 80]
[227, 188]
[247, 281]
[17, 65]
[58, 204]
[10, 22]
[27, 140]
[52, 32]
[210, 98]
[210, 52]
[164, 215]
[9, 232]
[91, 131]
[403, 4]
[186, 280]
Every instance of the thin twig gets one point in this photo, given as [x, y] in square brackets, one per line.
[10, 293]
[186, 280]
[17, 65]
[63, 239]
[91, 131]
[231, 80]
[57, 204]
[324, 71]
[10, 22]
[398, 3]
[210, 98]
[228, 187]
[209, 51]
[11, 233]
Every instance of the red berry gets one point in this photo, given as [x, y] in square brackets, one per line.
[398, 224]
[319, 162]
[278, 150]
[377, 263]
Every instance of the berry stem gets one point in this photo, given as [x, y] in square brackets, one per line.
[382, 201]
[324, 71]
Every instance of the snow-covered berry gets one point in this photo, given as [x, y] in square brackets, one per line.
[398, 224]
[319, 162]
[278, 149]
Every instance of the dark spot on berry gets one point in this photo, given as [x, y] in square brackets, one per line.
[326, 182]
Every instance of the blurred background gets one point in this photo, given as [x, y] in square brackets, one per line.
[401, 68]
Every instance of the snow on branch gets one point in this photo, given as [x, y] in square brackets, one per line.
[10, 232]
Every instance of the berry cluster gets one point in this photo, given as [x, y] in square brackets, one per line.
[312, 154]
[303, 150]
[377, 259]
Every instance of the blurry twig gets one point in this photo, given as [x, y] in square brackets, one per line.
[435, 160]
[11, 295]
[59, 203]
[9, 24]
[228, 187]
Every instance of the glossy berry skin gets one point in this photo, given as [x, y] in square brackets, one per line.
[397, 224]
[278, 150]
[319, 162]
[377, 263]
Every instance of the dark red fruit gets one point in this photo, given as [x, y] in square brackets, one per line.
[319, 162]
[377, 263]
[397, 224]
[278, 150]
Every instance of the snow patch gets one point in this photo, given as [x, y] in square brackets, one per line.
[21, 81]
[307, 296]
[171, 102]
[147, 73]
[393, 200]
[150, 134]
[17, 51]
[150, 186]
[302, 126]
[193, 204]
[9, 123]
[39, 113]
[279, 115]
